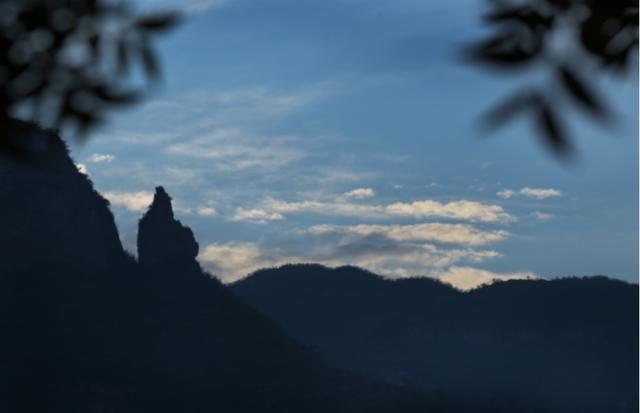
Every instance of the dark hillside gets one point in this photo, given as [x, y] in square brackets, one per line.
[86, 328]
[561, 345]
[49, 212]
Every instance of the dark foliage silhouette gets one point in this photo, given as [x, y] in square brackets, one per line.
[566, 345]
[67, 61]
[570, 38]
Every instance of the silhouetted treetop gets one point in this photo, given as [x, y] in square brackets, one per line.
[67, 62]
[570, 39]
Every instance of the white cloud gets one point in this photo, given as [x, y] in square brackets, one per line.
[459, 210]
[233, 261]
[430, 232]
[210, 109]
[256, 216]
[468, 278]
[82, 168]
[320, 207]
[207, 211]
[359, 193]
[234, 149]
[263, 102]
[536, 193]
[133, 201]
[507, 193]
[462, 210]
[98, 157]
[540, 193]
[413, 260]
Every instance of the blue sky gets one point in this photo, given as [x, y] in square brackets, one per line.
[344, 132]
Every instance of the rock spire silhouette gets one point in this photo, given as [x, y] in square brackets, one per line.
[161, 237]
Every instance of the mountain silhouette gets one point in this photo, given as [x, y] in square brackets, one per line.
[50, 212]
[564, 345]
[86, 328]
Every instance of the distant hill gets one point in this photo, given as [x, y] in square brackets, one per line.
[86, 328]
[562, 345]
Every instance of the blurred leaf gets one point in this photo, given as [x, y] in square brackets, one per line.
[94, 43]
[509, 108]
[502, 52]
[150, 62]
[552, 130]
[43, 64]
[525, 35]
[580, 92]
[112, 96]
[158, 22]
[122, 59]
[523, 14]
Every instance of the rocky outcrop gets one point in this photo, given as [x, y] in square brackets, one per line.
[161, 237]
[50, 212]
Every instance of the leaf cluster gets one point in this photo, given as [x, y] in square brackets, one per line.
[598, 34]
[68, 62]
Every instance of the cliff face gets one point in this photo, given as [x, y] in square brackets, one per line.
[49, 212]
[161, 237]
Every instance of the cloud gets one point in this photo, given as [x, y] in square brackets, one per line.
[396, 259]
[320, 207]
[430, 232]
[468, 278]
[256, 216]
[261, 101]
[234, 149]
[207, 109]
[460, 210]
[97, 158]
[207, 211]
[233, 261]
[359, 193]
[82, 168]
[536, 193]
[133, 201]
[542, 216]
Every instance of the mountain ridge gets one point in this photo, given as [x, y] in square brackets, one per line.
[84, 327]
[574, 340]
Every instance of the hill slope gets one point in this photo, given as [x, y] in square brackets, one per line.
[563, 345]
[85, 328]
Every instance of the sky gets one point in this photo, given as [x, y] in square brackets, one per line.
[346, 132]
